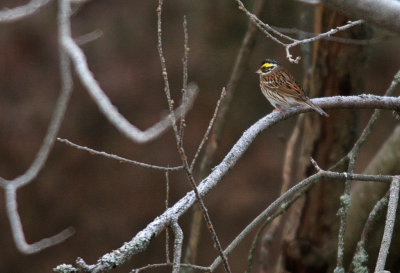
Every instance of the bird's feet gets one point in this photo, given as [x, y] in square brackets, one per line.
[279, 110]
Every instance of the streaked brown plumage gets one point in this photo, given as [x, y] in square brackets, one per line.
[281, 89]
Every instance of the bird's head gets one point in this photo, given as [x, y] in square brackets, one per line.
[267, 66]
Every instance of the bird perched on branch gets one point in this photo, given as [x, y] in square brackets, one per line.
[281, 89]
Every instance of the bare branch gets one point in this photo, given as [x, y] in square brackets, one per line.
[345, 199]
[185, 77]
[302, 33]
[319, 37]
[89, 37]
[389, 224]
[11, 186]
[152, 266]
[291, 192]
[384, 13]
[103, 102]
[58, 115]
[119, 158]
[18, 13]
[178, 233]
[140, 242]
[310, 2]
[210, 125]
[283, 208]
[267, 29]
[18, 232]
[180, 148]
[239, 67]
[359, 261]
[167, 258]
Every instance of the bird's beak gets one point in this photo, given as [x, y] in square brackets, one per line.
[259, 72]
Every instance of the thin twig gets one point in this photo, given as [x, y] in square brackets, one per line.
[206, 161]
[140, 242]
[180, 147]
[371, 123]
[282, 209]
[352, 158]
[118, 158]
[263, 26]
[320, 36]
[302, 33]
[89, 37]
[374, 215]
[210, 125]
[164, 70]
[389, 224]
[267, 29]
[360, 255]
[291, 192]
[152, 266]
[185, 78]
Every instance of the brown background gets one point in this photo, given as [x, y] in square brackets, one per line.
[108, 202]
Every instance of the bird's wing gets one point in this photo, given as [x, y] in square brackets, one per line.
[288, 86]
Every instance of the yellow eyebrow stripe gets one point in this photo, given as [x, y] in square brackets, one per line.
[266, 65]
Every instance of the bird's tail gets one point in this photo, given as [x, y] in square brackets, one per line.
[317, 108]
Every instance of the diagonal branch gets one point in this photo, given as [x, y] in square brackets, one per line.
[103, 102]
[141, 241]
[389, 225]
[277, 36]
[15, 14]
[119, 158]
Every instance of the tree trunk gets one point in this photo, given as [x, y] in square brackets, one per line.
[310, 233]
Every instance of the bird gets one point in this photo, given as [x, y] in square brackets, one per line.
[281, 89]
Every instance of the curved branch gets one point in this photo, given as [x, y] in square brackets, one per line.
[140, 242]
[11, 186]
[78, 59]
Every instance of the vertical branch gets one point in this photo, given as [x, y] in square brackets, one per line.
[360, 257]
[178, 233]
[12, 186]
[389, 224]
[210, 126]
[166, 207]
[185, 79]
[164, 69]
[219, 124]
[180, 148]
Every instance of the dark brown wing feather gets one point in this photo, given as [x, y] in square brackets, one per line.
[288, 85]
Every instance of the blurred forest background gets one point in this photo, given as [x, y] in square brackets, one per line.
[108, 202]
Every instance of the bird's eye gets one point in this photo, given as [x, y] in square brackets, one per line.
[266, 67]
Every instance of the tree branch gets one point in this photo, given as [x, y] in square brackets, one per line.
[140, 242]
[383, 13]
[389, 225]
[103, 102]
[119, 158]
[11, 186]
[15, 14]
